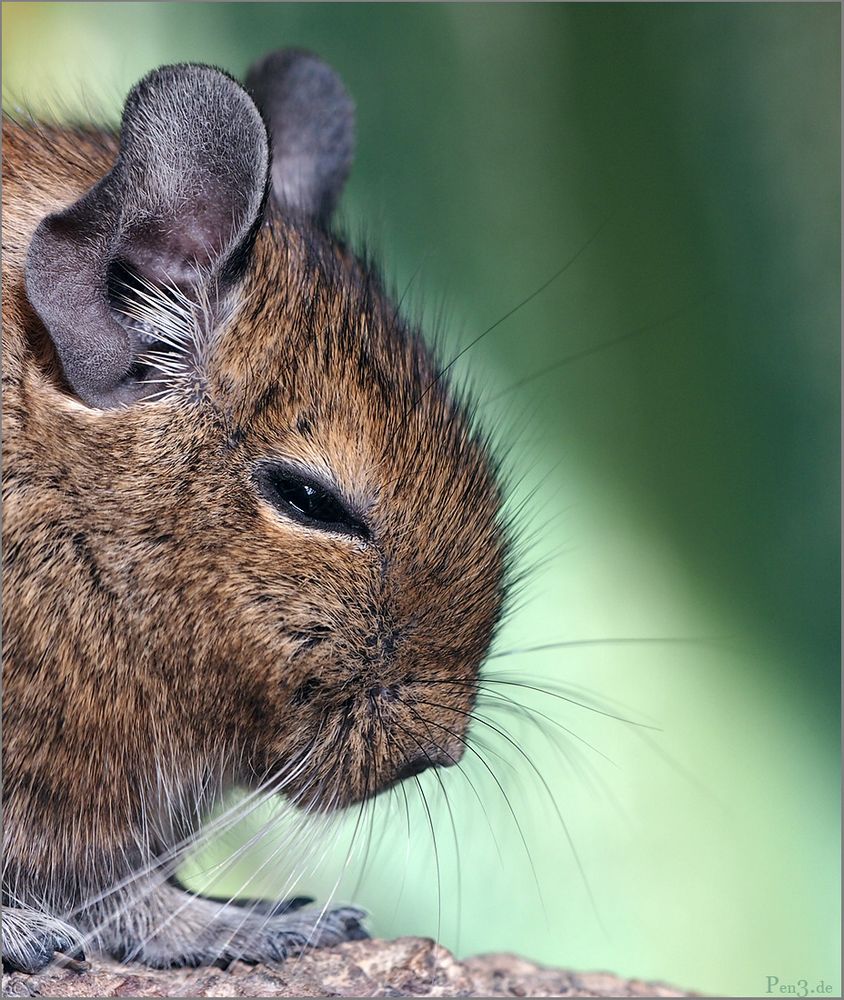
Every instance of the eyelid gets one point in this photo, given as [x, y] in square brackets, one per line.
[307, 474]
[266, 470]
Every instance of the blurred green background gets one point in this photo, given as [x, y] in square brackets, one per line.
[686, 478]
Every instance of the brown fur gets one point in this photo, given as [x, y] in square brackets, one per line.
[163, 624]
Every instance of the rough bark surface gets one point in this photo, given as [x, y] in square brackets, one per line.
[407, 967]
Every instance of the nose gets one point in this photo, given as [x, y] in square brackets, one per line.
[420, 760]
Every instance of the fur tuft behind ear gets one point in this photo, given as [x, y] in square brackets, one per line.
[180, 208]
[311, 120]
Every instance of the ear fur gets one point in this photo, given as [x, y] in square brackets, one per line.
[180, 208]
[311, 120]
[178, 213]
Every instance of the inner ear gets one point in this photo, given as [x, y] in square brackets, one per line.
[160, 239]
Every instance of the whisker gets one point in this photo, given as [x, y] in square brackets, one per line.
[541, 690]
[436, 853]
[557, 810]
[510, 809]
[610, 641]
[526, 712]
[511, 312]
[587, 352]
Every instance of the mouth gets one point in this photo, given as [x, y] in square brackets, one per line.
[421, 762]
[371, 765]
[348, 744]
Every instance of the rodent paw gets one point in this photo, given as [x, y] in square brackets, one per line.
[32, 940]
[298, 931]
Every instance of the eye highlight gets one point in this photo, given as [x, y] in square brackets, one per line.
[307, 500]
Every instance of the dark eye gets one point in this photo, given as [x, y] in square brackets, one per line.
[307, 500]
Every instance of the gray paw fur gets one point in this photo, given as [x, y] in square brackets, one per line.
[31, 939]
[171, 927]
[228, 936]
[292, 933]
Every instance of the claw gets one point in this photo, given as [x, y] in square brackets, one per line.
[355, 932]
[76, 962]
[350, 918]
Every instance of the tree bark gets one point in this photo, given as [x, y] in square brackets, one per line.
[414, 967]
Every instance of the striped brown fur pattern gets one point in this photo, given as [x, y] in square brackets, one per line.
[169, 632]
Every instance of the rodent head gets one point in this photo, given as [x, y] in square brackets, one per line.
[285, 502]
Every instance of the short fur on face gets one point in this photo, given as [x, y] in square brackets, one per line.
[170, 631]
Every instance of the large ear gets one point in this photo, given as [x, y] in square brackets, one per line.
[311, 119]
[179, 210]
